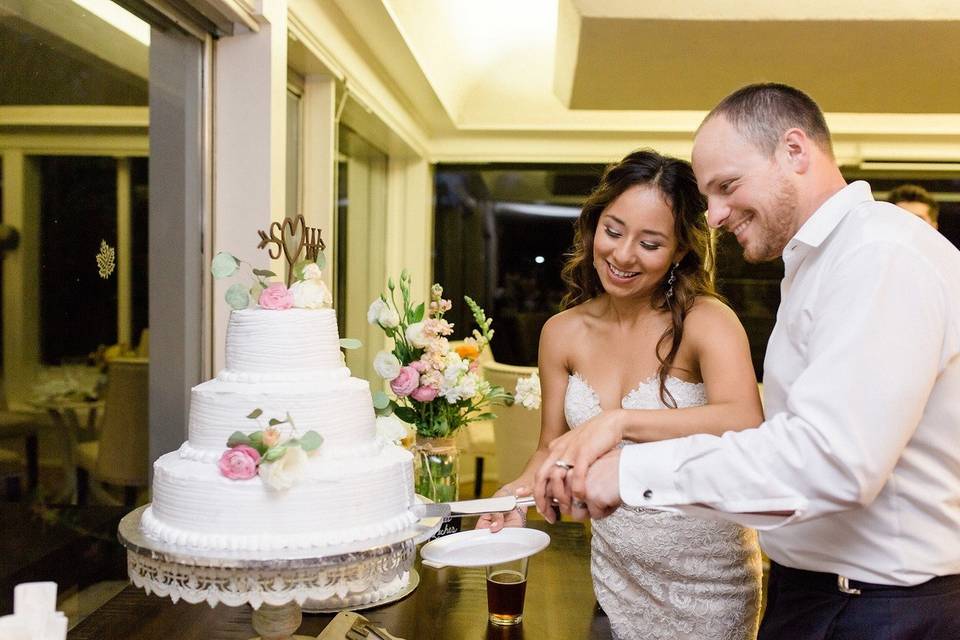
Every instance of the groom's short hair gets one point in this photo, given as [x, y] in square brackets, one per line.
[763, 112]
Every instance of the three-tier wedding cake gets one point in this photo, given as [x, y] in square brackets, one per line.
[345, 486]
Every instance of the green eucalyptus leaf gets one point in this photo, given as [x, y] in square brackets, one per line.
[256, 438]
[383, 413]
[238, 437]
[350, 343]
[380, 400]
[264, 273]
[406, 414]
[237, 297]
[224, 265]
[321, 260]
[256, 413]
[274, 454]
[310, 441]
[274, 422]
[298, 267]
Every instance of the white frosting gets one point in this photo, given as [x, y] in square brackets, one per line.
[338, 501]
[282, 342]
[356, 487]
[342, 412]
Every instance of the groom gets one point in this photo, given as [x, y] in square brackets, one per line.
[855, 474]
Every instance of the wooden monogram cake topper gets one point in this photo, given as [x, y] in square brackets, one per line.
[290, 238]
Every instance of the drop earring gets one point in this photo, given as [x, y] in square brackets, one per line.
[671, 280]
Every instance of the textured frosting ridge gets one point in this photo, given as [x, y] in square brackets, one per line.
[284, 341]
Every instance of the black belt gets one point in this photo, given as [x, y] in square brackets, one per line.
[832, 582]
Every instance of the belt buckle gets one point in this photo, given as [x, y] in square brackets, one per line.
[843, 584]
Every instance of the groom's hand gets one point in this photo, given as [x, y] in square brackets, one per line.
[603, 486]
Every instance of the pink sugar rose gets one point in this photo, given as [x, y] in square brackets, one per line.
[405, 383]
[276, 296]
[239, 462]
[424, 394]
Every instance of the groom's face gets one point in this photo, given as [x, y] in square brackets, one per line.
[749, 193]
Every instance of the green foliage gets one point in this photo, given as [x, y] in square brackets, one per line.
[274, 453]
[380, 400]
[256, 413]
[224, 265]
[238, 437]
[237, 297]
[264, 273]
[350, 343]
[321, 260]
[310, 441]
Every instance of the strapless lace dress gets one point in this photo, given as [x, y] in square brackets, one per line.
[664, 575]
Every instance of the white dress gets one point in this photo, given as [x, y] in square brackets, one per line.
[664, 575]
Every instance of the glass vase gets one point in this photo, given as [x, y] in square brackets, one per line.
[437, 469]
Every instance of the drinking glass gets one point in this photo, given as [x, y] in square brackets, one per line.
[506, 588]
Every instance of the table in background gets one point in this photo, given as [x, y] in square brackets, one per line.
[449, 604]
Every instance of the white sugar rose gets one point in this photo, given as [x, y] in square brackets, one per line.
[373, 313]
[415, 335]
[386, 365]
[391, 428]
[312, 271]
[311, 294]
[286, 471]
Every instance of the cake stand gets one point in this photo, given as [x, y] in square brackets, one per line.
[276, 583]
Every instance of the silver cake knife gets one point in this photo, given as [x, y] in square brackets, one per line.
[461, 508]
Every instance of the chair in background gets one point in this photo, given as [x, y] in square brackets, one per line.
[119, 457]
[17, 425]
[475, 441]
[516, 429]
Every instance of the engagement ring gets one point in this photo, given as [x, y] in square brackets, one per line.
[579, 504]
[563, 464]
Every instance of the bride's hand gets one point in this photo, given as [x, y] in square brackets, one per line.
[516, 518]
[579, 448]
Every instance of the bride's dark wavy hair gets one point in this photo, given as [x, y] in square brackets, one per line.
[675, 180]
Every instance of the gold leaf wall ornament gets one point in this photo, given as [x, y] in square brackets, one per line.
[290, 238]
[106, 259]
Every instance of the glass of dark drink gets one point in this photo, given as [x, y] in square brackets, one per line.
[506, 588]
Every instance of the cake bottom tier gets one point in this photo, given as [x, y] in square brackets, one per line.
[335, 502]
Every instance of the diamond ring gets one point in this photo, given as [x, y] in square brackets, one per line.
[563, 464]
[579, 504]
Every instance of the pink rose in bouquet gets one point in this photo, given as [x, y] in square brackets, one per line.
[425, 393]
[276, 296]
[239, 462]
[405, 383]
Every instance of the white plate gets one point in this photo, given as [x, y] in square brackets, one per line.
[479, 547]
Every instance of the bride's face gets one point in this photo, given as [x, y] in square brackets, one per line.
[634, 244]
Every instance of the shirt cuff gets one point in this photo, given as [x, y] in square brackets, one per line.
[647, 475]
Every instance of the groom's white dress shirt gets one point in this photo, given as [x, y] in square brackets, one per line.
[862, 398]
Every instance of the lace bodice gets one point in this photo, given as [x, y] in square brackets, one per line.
[582, 403]
[660, 575]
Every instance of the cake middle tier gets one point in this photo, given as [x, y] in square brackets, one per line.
[341, 412]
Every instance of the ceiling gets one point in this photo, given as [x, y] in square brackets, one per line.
[657, 65]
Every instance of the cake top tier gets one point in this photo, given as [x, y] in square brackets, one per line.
[264, 341]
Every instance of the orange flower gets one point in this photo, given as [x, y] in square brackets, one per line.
[468, 351]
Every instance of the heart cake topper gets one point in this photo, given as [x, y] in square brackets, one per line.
[289, 238]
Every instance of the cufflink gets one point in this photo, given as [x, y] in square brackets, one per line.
[648, 494]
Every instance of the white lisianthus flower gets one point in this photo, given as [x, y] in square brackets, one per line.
[415, 335]
[528, 392]
[391, 429]
[312, 271]
[386, 365]
[467, 387]
[373, 313]
[286, 471]
[311, 294]
[388, 318]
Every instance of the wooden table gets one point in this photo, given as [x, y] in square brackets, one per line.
[449, 604]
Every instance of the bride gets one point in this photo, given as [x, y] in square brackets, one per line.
[645, 351]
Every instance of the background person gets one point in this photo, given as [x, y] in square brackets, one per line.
[917, 201]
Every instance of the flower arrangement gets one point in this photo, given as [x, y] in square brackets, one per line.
[437, 388]
[528, 392]
[278, 455]
[307, 291]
